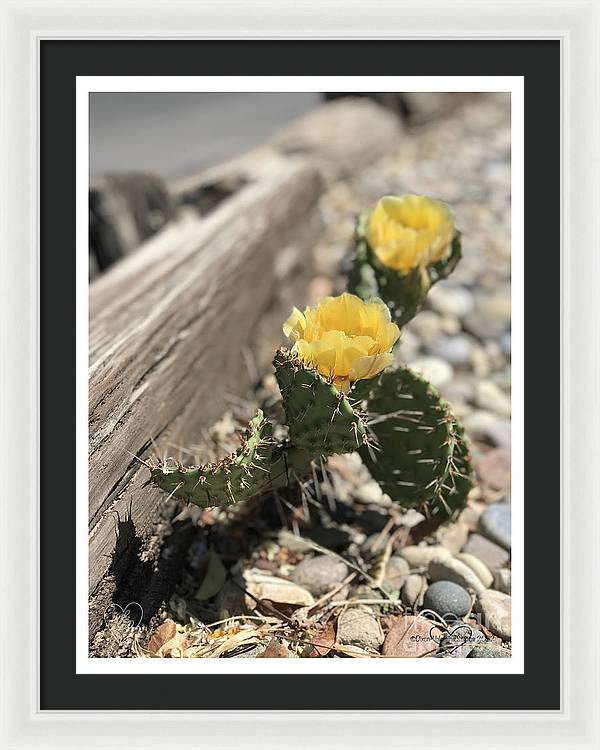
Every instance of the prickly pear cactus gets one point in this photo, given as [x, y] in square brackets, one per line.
[241, 476]
[405, 432]
[321, 419]
[419, 455]
[403, 293]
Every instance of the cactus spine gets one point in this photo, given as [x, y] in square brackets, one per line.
[419, 456]
[321, 419]
[240, 476]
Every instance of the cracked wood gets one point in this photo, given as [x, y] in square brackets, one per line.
[169, 327]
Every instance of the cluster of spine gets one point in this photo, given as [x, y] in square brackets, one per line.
[416, 450]
[405, 432]
[244, 474]
[321, 419]
[403, 293]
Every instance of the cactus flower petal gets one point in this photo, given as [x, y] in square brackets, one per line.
[295, 325]
[409, 230]
[344, 338]
[368, 367]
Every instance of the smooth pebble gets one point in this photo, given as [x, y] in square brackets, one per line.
[494, 523]
[489, 553]
[359, 627]
[456, 571]
[319, 574]
[447, 598]
[480, 569]
[495, 608]
[413, 590]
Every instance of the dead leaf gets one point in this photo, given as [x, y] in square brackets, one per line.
[323, 642]
[262, 586]
[174, 648]
[275, 650]
[214, 578]
[163, 633]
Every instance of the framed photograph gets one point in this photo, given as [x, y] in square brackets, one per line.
[300, 374]
[408, 556]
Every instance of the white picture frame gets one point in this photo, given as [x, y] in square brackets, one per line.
[576, 23]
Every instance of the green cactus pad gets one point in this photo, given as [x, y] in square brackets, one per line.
[403, 293]
[321, 419]
[240, 476]
[418, 455]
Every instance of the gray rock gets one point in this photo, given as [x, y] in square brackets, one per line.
[493, 469]
[396, 572]
[359, 627]
[488, 651]
[420, 557]
[456, 571]
[479, 568]
[456, 350]
[427, 326]
[494, 523]
[489, 553]
[480, 362]
[413, 591]
[447, 598]
[460, 640]
[410, 518]
[502, 580]
[503, 377]
[478, 424]
[435, 370]
[320, 574]
[490, 317]
[369, 492]
[490, 397]
[408, 346]
[453, 537]
[450, 300]
[495, 608]
[460, 391]
[505, 343]
[252, 652]
[499, 432]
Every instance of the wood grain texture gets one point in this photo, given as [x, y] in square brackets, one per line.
[169, 326]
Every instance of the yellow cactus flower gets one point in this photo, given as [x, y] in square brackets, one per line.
[344, 338]
[410, 231]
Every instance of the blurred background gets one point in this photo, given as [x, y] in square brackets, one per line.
[176, 134]
[141, 142]
[211, 216]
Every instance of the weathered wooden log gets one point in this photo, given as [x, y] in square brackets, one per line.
[126, 208]
[169, 327]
